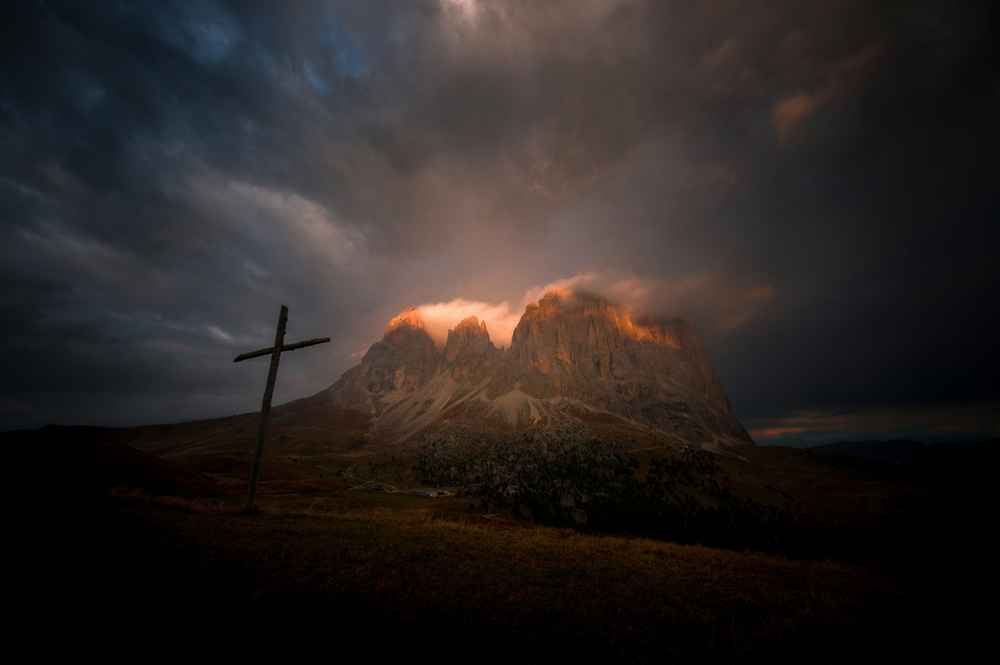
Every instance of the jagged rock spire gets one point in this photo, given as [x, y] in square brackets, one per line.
[570, 353]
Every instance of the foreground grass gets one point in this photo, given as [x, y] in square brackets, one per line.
[489, 590]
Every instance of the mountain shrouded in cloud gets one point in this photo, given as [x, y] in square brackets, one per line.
[721, 305]
[809, 184]
[573, 357]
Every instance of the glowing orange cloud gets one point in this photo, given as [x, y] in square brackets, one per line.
[441, 317]
[708, 298]
[774, 431]
[842, 79]
[973, 416]
[705, 297]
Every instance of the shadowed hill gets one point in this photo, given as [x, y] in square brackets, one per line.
[98, 459]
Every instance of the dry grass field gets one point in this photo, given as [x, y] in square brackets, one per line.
[456, 585]
[165, 559]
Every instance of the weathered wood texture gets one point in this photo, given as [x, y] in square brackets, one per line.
[249, 505]
[265, 410]
[285, 347]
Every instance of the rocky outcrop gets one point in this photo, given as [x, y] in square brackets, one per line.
[402, 362]
[572, 354]
[469, 355]
[581, 346]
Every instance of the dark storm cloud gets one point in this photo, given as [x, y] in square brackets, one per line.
[812, 184]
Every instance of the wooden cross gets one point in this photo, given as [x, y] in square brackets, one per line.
[265, 408]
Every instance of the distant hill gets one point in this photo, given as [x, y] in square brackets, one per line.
[57, 459]
[899, 451]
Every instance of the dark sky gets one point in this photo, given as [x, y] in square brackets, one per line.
[814, 185]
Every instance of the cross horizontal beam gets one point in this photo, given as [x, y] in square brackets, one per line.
[284, 347]
[265, 405]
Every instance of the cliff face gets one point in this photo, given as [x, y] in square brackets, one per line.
[469, 355]
[572, 354]
[582, 347]
[403, 361]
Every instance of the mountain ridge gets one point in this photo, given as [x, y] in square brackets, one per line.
[572, 355]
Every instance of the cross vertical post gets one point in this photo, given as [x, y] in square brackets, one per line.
[265, 410]
[249, 505]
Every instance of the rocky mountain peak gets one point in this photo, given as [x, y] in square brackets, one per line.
[404, 360]
[469, 328]
[469, 334]
[574, 334]
[469, 353]
[571, 353]
[406, 323]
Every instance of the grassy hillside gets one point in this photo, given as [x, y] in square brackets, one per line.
[448, 584]
[149, 549]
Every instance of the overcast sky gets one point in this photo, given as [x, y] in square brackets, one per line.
[814, 185]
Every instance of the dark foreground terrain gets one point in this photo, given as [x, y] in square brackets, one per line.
[159, 564]
[115, 573]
